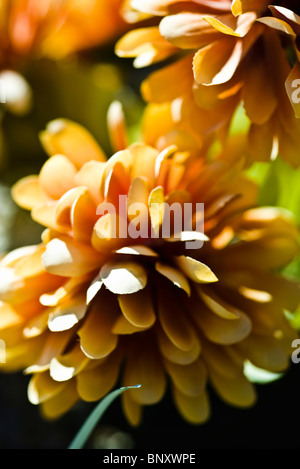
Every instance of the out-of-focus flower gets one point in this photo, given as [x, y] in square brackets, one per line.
[31, 29]
[15, 92]
[233, 52]
[55, 28]
[103, 298]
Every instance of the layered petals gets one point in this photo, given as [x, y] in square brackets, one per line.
[155, 268]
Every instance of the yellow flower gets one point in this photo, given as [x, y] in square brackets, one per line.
[227, 53]
[109, 297]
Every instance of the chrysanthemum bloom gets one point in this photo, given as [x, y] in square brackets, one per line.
[109, 298]
[229, 52]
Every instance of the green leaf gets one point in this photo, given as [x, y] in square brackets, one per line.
[91, 422]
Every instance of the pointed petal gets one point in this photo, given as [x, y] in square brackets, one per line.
[174, 275]
[196, 270]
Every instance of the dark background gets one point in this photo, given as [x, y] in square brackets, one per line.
[273, 423]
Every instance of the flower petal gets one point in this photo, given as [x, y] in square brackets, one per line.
[70, 258]
[65, 316]
[96, 338]
[196, 270]
[216, 63]
[27, 193]
[238, 391]
[174, 275]
[222, 331]
[65, 137]
[57, 176]
[188, 379]
[123, 277]
[146, 369]
[175, 324]
[138, 308]
[93, 384]
[194, 409]
[187, 30]
[175, 354]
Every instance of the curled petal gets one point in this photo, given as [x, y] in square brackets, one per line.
[196, 270]
[123, 278]
[69, 258]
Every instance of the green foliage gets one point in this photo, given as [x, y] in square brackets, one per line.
[85, 431]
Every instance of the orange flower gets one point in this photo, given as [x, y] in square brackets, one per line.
[241, 52]
[55, 28]
[103, 299]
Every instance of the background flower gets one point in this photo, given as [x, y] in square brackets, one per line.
[240, 53]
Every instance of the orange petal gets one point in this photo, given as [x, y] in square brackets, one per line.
[175, 354]
[93, 384]
[70, 258]
[160, 86]
[237, 392]
[187, 30]
[259, 96]
[195, 410]
[65, 316]
[188, 379]
[222, 331]
[145, 369]
[146, 44]
[27, 192]
[61, 402]
[42, 387]
[138, 308]
[174, 323]
[90, 176]
[196, 270]
[65, 137]
[123, 278]
[83, 217]
[68, 365]
[132, 409]
[57, 176]
[143, 162]
[96, 338]
[217, 62]
[174, 275]
[228, 24]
